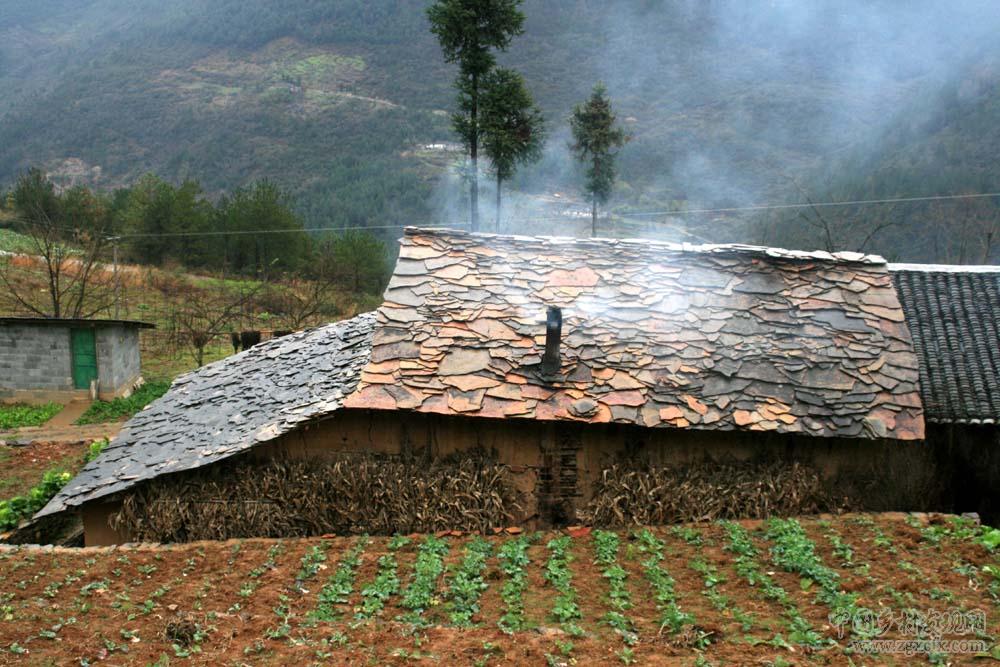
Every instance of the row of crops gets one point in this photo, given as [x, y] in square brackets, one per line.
[784, 588]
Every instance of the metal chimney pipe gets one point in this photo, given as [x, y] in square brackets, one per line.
[553, 336]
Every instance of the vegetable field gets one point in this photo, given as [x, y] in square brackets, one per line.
[779, 592]
[16, 416]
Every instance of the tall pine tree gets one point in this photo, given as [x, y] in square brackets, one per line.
[513, 128]
[597, 138]
[469, 31]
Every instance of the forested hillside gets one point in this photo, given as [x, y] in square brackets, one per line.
[345, 104]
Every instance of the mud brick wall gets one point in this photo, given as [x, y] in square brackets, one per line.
[556, 464]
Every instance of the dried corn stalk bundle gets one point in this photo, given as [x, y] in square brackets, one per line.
[644, 495]
[350, 494]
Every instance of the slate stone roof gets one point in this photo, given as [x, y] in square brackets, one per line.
[654, 334]
[226, 407]
[954, 316]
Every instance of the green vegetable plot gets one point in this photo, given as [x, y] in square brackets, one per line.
[781, 592]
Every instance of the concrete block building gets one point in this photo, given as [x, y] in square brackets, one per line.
[60, 359]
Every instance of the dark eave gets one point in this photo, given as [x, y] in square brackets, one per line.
[76, 323]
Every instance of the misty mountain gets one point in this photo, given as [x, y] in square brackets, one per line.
[346, 104]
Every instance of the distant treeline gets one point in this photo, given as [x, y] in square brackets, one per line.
[253, 231]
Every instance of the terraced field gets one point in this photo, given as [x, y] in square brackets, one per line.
[779, 592]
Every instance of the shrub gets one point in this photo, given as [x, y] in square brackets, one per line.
[19, 508]
[95, 450]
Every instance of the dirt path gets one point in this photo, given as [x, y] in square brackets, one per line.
[68, 434]
[69, 414]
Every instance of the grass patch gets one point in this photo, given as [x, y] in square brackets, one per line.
[123, 408]
[320, 69]
[18, 415]
[165, 365]
[11, 241]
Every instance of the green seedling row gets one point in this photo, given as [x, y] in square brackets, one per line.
[794, 552]
[338, 588]
[467, 584]
[672, 618]
[250, 587]
[748, 566]
[514, 560]
[311, 563]
[386, 583]
[419, 595]
[606, 547]
[711, 580]
[557, 572]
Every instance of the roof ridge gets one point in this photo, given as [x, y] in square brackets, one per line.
[945, 268]
[638, 243]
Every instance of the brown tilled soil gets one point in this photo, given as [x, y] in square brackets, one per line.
[198, 603]
[22, 467]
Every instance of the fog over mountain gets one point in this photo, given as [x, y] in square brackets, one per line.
[730, 103]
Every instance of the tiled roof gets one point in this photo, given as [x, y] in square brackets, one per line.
[954, 316]
[228, 406]
[654, 334]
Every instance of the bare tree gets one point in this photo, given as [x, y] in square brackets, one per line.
[199, 315]
[67, 236]
[846, 229]
[833, 228]
[299, 303]
[970, 230]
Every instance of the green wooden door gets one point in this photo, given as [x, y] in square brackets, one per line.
[84, 357]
